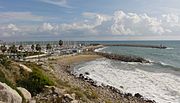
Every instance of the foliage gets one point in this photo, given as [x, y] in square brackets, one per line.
[36, 80]
[38, 47]
[60, 42]
[4, 61]
[21, 47]
[3, 48]
[12, 49]
[48, 47]
[32, 47]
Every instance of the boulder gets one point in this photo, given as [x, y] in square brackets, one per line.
[87, 73]
[138, 95]
[25, 93]
[9, 95]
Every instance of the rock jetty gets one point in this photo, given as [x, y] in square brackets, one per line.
[124, 58]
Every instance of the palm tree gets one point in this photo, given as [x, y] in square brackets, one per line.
[38, 48]
[13, 49]
[32, 47]
[21, 48]
[48, 47]
[3, 48]
[60, 42]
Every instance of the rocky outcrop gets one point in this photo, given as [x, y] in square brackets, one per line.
[9, 95]
[52, 94]
[25, 93]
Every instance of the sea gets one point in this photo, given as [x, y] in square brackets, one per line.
[158, 80]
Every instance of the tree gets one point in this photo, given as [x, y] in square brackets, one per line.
[3, 48]
[32, 47]
[21, 47]
[38, 48]
[60, 42]
[48, 47]
[13, 49]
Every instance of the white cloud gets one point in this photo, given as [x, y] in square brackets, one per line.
[61, 3]
[136, 24]
[46, 27]
[9, 30]
[95, 24]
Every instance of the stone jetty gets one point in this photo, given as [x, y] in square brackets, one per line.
[124, 58]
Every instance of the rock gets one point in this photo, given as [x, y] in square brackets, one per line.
[127, 95]
[75, 101]
[9, 95]
[25, 93]
[68, 97]
[25, 68]
[87, 73]
[138, 95]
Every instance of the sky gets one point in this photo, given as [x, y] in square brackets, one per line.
[22, 20]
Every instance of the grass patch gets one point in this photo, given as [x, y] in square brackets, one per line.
[91, 94]
[36, 80]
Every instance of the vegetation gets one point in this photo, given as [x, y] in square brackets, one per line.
[21, 47]
[48, 47]
[32, 47]
[36, 80]
[3, 48]
[12, 49]
[60, 42]
[38, 47]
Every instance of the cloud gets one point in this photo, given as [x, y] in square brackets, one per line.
[119, 24]
[9, 30]
[7, 16]
[61, 3]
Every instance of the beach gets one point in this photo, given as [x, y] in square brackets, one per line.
[63, 68]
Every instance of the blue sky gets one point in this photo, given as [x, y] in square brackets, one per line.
[90, 19]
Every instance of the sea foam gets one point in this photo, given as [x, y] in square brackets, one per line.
[161, 87]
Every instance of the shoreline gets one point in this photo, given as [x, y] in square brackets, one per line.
[105, 92]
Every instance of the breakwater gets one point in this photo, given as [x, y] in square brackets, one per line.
[137, 45]
[124, 58]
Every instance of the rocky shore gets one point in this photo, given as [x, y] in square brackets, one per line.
[21, 81]
[104, 93]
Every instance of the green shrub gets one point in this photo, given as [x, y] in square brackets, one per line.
[36, 80]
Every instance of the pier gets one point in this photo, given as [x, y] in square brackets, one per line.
[137, 45]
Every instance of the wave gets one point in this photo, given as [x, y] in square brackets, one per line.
[99, 49]
[164, 65]
[161, 87]
[169, 48]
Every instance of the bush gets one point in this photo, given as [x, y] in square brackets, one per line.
[36, 80]
[4, 61]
